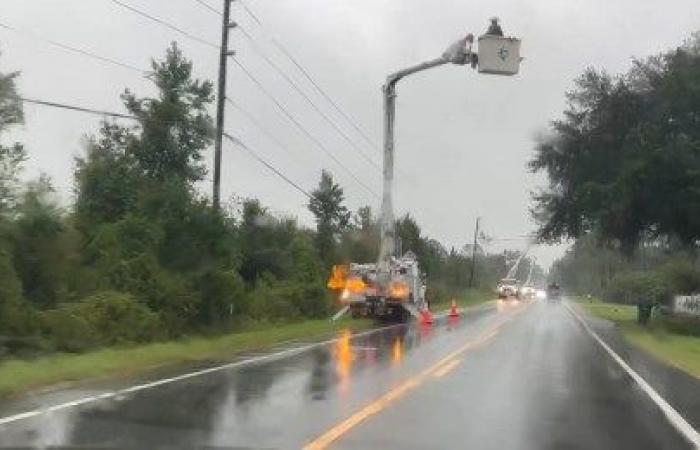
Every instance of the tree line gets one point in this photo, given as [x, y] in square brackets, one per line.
[141, 255]
[623, 165]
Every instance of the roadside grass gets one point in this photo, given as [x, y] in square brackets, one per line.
[19, 376]
[680, 351]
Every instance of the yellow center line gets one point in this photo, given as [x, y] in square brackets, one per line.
[443, 366]
[447, 368]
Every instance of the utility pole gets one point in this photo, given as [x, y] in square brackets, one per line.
[476, 234]
[220, 101]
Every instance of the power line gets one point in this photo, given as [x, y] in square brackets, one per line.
[72, 49]
[301, 127]
[308, 76]
[240, 144]
[257, 123]
[292, 83]
[307, 98]
[126, 116]
[208, 6]
[270, 96]
[103, 113]
[166, 24]
[93, 111]
[78, 108]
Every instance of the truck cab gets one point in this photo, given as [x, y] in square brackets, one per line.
[553, 292]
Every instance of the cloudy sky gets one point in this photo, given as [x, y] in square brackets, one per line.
[463, 139]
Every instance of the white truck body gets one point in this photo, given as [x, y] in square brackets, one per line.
[405, 293]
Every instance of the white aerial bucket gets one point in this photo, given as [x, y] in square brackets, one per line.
[499, 55]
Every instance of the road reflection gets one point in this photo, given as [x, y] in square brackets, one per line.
[320, 379]
[507, 304]
[343, 360]
[240, 405]
[425, 330]
[397, 351]
[452, 322]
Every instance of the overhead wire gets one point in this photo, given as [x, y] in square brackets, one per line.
[308, 100]
[208, 6]
[289, 116]
[319, 89]
[104, 113]
[166, 24]
[92, 111]
[307, 75]
[258, 158]
[195, 38]
[72, 49]
[77, 108]
[256, 123]
[267, 93]
[296, 87]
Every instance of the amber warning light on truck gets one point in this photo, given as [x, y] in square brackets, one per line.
[338, 278]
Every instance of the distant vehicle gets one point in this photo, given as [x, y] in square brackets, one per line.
[541, 294]
[553, 292]
[527, 292]
[507, 287]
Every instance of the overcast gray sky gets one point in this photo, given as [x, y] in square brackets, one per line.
[463, 139]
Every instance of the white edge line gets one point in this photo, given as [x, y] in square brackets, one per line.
[140, 387]
[673, 416]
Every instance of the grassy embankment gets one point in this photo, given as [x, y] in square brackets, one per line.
[679, 350]
[18, 376]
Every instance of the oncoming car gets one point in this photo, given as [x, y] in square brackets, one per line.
[526, 292]
[507, 287]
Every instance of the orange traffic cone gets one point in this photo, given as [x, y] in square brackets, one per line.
[426, 317]
[453, 309]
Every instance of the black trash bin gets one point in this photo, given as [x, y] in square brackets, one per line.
[644, 309]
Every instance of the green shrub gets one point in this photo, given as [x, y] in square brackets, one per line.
[439, 292]
[18, 329]
[313, 300]
[634, 287]
[106, 318]
[68, 330]
[682, 324]
[178, 303]
[271, 302]
[681, 276]
[288, 300]
[223, 296]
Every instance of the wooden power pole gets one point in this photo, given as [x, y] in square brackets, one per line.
[476, 235]
[221, 101]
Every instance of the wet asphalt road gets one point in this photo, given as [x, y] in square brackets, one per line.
[508, 377]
